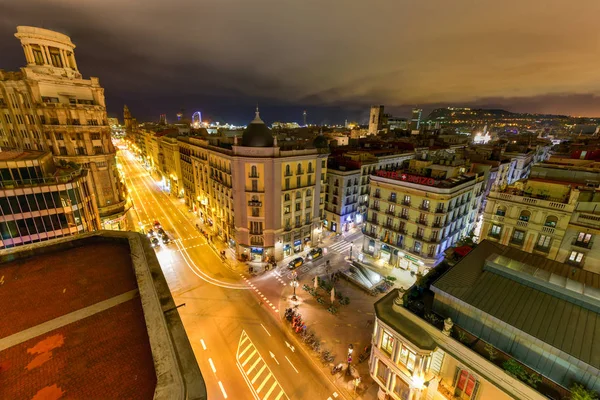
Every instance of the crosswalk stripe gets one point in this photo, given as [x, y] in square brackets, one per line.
[270, 390]
[249, 358]
[260, 371]
[264, 382]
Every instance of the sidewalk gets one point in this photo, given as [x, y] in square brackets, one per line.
[353, 324]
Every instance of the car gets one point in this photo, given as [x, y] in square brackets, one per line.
[296, 262]
[315, 253]
[150, 233]
[165, 239]
[157, 225]
[161, 232]
[155, 242]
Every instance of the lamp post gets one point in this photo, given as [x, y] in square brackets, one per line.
[351, 244]
[294, 284]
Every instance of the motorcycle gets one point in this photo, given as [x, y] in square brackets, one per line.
[365, 354]
[337, 368]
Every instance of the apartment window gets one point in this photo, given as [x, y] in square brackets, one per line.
[299, 169]
[544, 241]
[583, 239]
[391, 208]
[407, 199]
[37, 56]
[298, 181]
[288, 170]
[408, 358]
[466, 384]
[297, 220]
[382, 372]
[495, 231]
[97, 149]
[55, 57]
[551, 221]
[387, 343]
[286, 209]
[393, 197]
[425, 205]
[575, 257]
[322, 163]
[405, 213]
[310, 168]
[298, 195]
[287, 184]
[63, 150]
[254, 172]
[59, 136]
[309, 180]
[501, 211]
[254, 185]
[518, 237]
[524, 216]
[308, 204]
[255, 212]
[298, 207]
[377, 193]
[95, 136]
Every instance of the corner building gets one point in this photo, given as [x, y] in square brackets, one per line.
[264, 200]
[49, 106]
[416, 213]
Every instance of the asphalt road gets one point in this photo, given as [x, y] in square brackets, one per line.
[233, 323]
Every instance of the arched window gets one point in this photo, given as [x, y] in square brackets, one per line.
[501, 210]
[287, 197]
[298, 195]
[308, 193]
[551, 220]
[299, 168]
[524, 216]
[253, 171]
[288, 170]
[310, 169]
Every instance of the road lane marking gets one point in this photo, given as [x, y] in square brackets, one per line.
[292, 365]
[249, 357]
[203, 345]
[273, 357]
[265, 329]
[335, 394]
[264, 382]
[223, 390]
[270, 391]
[212, 366]
[259, 372]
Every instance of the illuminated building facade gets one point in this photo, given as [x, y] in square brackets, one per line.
[265, 201]
[416, 213]
[40, 200]
[554, 213]
[376, 119]
[497, 311]
[49, 106]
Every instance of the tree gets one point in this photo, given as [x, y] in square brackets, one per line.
[580, 392]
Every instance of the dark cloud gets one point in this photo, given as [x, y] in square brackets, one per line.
[333, 58]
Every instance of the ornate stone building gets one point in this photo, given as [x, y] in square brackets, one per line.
[49, 106]
[265, 200]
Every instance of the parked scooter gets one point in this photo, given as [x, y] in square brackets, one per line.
[337, 368]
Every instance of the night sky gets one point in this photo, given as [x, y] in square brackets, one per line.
[333, 58]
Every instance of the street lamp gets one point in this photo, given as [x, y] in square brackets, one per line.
[294, 284]
[351, 244]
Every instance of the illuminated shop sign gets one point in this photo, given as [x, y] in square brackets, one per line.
[400, 176]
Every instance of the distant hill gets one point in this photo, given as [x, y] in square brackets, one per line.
[481, 115]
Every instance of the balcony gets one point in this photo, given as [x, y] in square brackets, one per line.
[548, 229]
[406, 203]
[583, 245]
[288, 173]
[424, 208]
[254, 203]
[522, 223]
[498, 218]
[377, 195]
[541, 248]
[373, 221]
[404, 216]
[518, 242]
[374, 207]
[287, 228]
[370, 234]
[392, 199]
[298, 225]
[421, 222]
[251, 175]
[310, 171]
[390, 212]
[300, 172]
[253, 232]
[415, 251]
[437, 224]
[417, 236]
[439, 210]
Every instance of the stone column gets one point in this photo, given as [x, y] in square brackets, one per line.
[29, 54]
[46, 55]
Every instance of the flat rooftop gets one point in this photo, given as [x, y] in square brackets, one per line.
[77, 319]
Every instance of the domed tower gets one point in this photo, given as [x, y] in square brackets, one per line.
[257, 134]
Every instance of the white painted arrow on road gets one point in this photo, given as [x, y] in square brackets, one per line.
[292, 348]
[273, 357]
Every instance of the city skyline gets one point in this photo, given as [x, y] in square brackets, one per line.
[225, 58]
